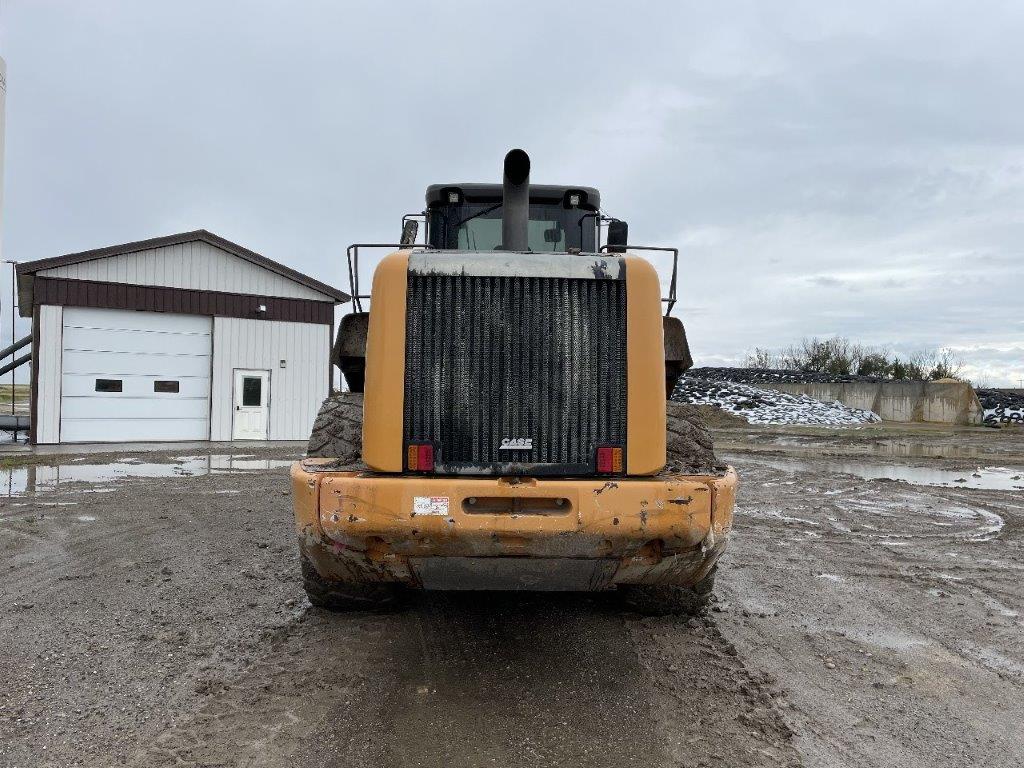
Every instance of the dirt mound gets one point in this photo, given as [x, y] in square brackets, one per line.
[716, 418]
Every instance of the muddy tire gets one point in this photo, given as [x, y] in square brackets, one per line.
[689, 447]
[658, 600]
[338, 429]
[349, 596]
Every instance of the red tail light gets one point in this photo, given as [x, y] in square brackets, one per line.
[426, 458]
[609, 459]
[420, 458]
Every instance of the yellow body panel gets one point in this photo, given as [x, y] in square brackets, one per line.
[385, 368]
[645, 380]
[365, 527]
[384, 390]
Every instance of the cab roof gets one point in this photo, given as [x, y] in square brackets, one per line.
[438, 193]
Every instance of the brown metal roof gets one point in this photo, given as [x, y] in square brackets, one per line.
[31, 267]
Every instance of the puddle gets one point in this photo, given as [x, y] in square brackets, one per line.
[813, 447]
[917, 450]
[985, 478]
[19, 481]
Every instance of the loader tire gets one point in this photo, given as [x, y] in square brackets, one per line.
[350, 596]
[338, 429]
[689, 447]
[663, 600]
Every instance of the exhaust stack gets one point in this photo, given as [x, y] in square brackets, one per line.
[515, 209]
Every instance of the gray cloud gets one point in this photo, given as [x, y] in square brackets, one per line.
[856, 171]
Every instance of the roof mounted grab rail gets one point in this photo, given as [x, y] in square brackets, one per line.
[415, 217]
[600, 220]
[352, 253]
[671, 298]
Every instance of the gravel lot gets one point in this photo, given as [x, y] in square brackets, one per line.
[151, 621]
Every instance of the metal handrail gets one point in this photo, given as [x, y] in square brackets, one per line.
[352, 253]
[14, 364]
[671, 300]
[420, 215]
[7, 351]
[599, 218]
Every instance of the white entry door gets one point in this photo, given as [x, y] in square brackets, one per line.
[252, 405]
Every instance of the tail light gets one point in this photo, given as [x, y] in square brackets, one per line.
[609, 459]
[420, 457]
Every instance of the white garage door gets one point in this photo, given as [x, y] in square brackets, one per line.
[130, 375]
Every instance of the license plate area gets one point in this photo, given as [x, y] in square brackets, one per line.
[516, 505]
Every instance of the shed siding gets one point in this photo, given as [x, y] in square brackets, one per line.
[296, 391]
[192, 265]
[48, 358]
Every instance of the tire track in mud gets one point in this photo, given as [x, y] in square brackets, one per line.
[547, 679]
[306, 697]
[480, 679]
[712, 710]
[454, 680]
[518, 680]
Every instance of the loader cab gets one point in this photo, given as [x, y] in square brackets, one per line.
[468, 217]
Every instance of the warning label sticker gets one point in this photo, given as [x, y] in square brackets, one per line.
[430, 505]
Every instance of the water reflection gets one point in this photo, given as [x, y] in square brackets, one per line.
[40, 478]
[987, 478]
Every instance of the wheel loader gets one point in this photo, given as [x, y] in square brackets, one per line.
[507, 425]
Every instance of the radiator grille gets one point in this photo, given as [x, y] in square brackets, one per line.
[518, 357]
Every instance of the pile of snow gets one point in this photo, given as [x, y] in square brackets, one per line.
[1002, 407]
[765, 406]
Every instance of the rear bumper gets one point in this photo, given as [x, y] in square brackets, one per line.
[536, 534]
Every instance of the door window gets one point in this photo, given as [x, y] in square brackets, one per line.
[252, 391]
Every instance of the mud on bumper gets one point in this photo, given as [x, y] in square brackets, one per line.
[509, 533]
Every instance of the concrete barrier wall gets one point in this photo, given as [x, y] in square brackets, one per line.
[863, 396]
[937, 402]
[901, 401]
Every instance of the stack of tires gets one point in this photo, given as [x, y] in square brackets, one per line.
[1002, 407]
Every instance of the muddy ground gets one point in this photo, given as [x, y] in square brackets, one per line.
[150, 621]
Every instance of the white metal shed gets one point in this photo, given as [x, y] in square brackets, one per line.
[187, 337]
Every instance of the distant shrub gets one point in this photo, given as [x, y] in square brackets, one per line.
[761, 359]
[841, 357]
[874, 364]
[946, 366]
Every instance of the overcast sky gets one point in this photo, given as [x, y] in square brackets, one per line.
[825, 171]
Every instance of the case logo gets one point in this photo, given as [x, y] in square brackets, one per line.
[516, 444]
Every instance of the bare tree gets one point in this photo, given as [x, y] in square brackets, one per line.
[760, 359]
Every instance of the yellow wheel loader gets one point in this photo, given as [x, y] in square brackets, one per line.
[507, 424]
